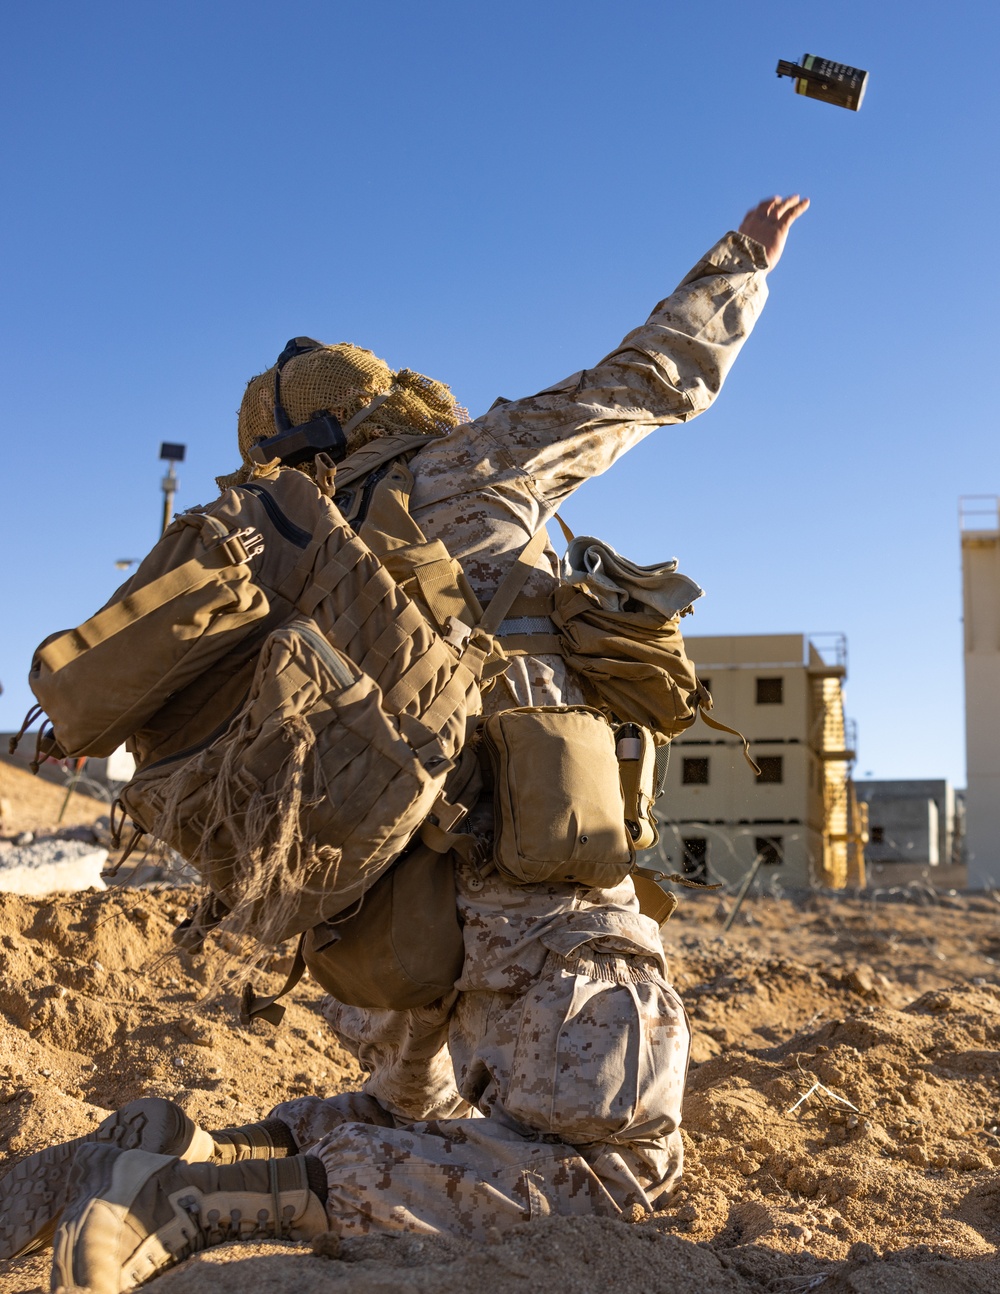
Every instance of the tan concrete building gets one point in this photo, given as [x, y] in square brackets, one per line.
[801, 817]
[979, 521]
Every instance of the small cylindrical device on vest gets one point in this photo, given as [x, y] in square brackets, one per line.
[819, 78]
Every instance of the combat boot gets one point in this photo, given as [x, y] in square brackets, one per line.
[269, 1139]
[134, 1214]
[33, 1194]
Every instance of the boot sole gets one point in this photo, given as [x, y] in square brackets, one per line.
[107, 1184]
[33, 1194]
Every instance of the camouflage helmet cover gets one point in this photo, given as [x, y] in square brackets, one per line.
[343, 380]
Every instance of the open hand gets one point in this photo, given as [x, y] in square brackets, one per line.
[770, 221]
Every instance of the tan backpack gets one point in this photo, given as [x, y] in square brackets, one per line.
[294, 712]
[298, 694]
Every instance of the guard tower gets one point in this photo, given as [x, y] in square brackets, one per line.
[979, 524]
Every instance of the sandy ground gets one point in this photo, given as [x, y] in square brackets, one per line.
[884, 1179]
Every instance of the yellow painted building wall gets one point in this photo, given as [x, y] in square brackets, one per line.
[812, 810]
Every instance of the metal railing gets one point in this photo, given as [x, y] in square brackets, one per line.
[831, 647]
[979, 512]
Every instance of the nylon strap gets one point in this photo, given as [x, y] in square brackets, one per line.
[253, 1007]
[567, 533]
[362, 414]
[651, 874]
[733, 732]
[531, 644]
[513, 582]
[440, 590]
[653, 902]
[460, 793]
[375, 453]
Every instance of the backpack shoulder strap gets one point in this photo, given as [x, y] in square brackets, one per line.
[513, 582]
[381, 450]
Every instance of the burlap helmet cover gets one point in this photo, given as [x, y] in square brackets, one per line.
[342, 380]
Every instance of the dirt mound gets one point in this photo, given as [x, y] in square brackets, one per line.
[97, 1008]
[842, 1122]
[29, 804]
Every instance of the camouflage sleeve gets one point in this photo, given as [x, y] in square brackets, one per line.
[666, 371]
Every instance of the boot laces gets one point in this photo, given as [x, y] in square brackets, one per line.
[215, 1229]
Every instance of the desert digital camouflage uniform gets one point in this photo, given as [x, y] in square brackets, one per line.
[550, 1080]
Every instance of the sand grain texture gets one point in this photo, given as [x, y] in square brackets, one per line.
[892, 1006]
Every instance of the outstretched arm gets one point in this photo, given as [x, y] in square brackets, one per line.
[666, 371]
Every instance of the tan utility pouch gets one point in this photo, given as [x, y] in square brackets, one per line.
[636, 753]
[309, 794]
[403, 948]
[558, 806]
[189, 602]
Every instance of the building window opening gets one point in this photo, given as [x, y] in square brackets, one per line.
[695, 858]
[877, 835]
[772, 768]
[770, 691]
[694, 770]
[770, 850]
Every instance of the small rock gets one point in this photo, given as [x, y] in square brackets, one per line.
[802, 1179]
[862, 980]
[198, 1031]
[634, 1213]
[327, 1245]
[25, 838]
[85, 835]
[178, 1061]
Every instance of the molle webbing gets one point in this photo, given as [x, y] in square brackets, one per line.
[423, 568]
[528, 628]
[357, 466]
[365, 614]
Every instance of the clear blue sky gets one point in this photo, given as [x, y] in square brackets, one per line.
[494, 195]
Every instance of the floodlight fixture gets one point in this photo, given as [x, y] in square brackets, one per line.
[172, 453]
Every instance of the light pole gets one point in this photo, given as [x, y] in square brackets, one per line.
[172, 454]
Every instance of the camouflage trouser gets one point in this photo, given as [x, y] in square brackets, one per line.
[580, 1078]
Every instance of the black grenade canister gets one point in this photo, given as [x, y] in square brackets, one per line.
[820, 78]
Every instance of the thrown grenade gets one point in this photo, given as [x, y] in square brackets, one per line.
[819, 78]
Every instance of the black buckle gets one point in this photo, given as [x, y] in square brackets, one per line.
[323, 434]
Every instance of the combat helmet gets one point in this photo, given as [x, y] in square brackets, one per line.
[355, 395]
